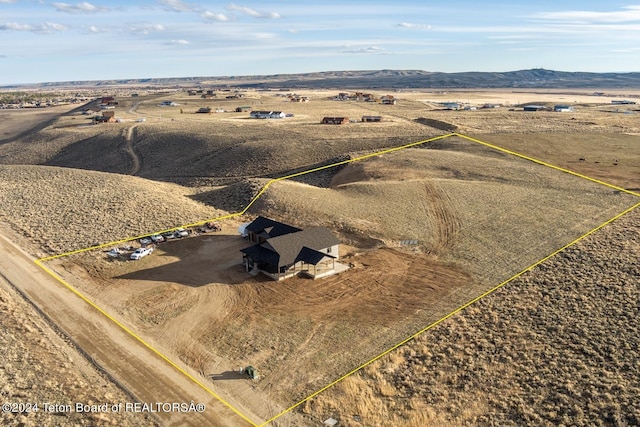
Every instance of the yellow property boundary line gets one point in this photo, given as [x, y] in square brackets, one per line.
[40, 263]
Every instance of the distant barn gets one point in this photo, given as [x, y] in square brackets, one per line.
[370, 119]
[563, 109]
[335, 120]
[533, 108]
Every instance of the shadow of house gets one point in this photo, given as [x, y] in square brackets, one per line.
[201, 260]
[281, 250]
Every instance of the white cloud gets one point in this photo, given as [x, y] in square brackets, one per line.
[414, 26]
[144, 28]
[96, 30]
[628, 14]
[84, 7]
[220, 17]
[178, 42]
[367, 50]
[253, 12]
[7, 1]
[178, 6]
[46, 28]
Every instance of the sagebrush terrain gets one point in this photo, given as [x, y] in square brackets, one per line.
[474, 217]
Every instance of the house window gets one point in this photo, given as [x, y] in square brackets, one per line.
[329, 250]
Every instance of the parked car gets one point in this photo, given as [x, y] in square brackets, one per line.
[169, 235]
[157, 238]
[141, 253]
[181, 232]
[145, 241]
[114, 253]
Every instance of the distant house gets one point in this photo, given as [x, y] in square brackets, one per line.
[267, 115]
[280, 250]
[108, 100]
[534, 108]
[106, 117]
[388, 100]
[451, 105]
[168, 104]
[204, 110]
[623, 102]
[371, 119]
[563, 109]
[243, 108]
[335, 120]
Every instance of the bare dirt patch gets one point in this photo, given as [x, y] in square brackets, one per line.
[193, 298]
[19, 121]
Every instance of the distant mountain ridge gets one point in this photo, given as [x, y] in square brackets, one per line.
[398, 79]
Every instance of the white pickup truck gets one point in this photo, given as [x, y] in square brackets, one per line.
[141, 253]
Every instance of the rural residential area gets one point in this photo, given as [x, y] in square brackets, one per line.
[273, 245]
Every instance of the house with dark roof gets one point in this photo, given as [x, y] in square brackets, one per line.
[280, 250]
[335, 120]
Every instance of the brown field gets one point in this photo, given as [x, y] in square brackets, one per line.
[479, 217]
[18, 121]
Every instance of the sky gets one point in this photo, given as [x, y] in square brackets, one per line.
[50, 41]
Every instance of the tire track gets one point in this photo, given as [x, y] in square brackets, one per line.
[135, 159]
[446, 225]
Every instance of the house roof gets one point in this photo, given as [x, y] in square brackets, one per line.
[287, 249]
[290, 245]
[311, 256]
[269, 228]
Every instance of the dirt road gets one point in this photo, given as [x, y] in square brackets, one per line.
[137, 368]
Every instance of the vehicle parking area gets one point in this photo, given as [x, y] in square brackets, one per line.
[194, 261]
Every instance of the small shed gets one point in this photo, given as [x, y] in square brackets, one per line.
[251, 372]
[204, 110]
[335, 120]
[370, 119]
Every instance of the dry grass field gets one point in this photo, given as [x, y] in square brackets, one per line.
[479, 216]
[557, 346]
[63, 209]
